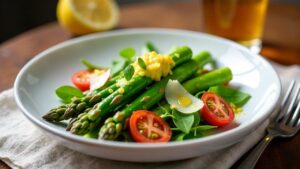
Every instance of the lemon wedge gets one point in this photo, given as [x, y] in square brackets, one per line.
[87, 16]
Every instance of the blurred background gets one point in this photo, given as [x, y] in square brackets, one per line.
[19, 16]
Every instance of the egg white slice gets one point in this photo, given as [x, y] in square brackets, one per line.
[175, 91]
[98, 81]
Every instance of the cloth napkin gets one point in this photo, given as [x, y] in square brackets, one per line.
[22, 145]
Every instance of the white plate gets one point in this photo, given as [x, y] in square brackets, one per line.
[35, 85]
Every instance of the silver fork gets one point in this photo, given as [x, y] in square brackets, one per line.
[285, 124]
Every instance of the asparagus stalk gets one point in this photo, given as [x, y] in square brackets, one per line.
[78, 105]
[113, 126]
[88, 121]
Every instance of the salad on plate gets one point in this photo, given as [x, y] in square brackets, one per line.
[149, 98]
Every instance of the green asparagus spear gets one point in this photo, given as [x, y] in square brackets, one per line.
[78, 105]
[213, 78]
[203, 58]
[113, 126]
[135, 85]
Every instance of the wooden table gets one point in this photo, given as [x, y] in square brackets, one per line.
[281, 44]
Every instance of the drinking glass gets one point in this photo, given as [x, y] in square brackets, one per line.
[238, 20]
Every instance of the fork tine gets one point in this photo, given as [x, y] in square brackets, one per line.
[295, 117]
[285, 99]
[288, 114]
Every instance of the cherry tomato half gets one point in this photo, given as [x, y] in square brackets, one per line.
[147, 127]
[216, 111]
[81, 79]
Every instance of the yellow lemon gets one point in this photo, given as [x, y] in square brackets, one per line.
[87, 16]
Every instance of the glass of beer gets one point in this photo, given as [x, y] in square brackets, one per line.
[238, 20]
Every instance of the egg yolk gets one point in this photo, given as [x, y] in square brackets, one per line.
[184, 101]
[157, 65]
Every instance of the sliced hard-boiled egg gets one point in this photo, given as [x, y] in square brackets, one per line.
[180, 99]
[99, 80]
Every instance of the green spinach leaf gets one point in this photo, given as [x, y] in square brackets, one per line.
[179, 137]
[196, 119]
[198, 131]
[90, 65]
[127, 53]
[142, 63]
[183, 122]
[231, 95]
[66, 93]
[128, 72]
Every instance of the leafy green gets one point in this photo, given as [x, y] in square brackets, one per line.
[150, 47]
[118, 66]
[179, 137]
[142, 63]
[128, 72]
[196, 119]
[231, 95]
[66, 93]
[183, 122]
[199, 94]
[127, 53]
[199, 131]
[195, 132]
[89, 65]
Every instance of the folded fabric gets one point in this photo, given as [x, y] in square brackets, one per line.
[22, 145]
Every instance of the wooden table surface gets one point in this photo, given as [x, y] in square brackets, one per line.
[281, 44]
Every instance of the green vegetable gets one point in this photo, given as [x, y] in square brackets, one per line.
[231, 95]
[183, 122]
[198, 131]
[134, 86]
[197, 119]
[207, 80]
[89, 65]
[118, 66]
[203, 58]
[179, 137]
[66, 93]
[150, 47]
[195, 132]
[78, 105]
[142, 63]
[127, 53]
[128, 72]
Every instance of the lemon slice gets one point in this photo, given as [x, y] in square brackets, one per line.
[87, 16]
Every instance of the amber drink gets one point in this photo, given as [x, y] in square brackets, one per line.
[238, 20]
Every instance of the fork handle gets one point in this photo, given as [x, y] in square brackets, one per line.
[250, 161]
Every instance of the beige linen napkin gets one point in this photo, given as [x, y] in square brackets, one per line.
[22, 145]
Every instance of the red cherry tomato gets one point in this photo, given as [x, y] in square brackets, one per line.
[147, 127]
[216, 111]
[81, 79]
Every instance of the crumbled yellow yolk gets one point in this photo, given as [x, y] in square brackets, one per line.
[122, 82]
[121, 90]
[236, 109]
[99, 72]
[173, 106]
[157, 66]
[184, 101]
[110, 90]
